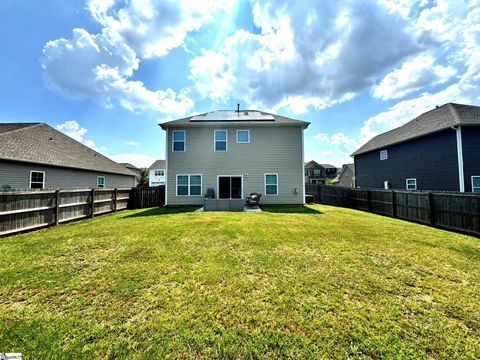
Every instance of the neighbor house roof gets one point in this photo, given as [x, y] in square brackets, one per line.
[158, 164]
[41, 144]
[312, 163]
[344, 168]
[438, 119]
[234, 118]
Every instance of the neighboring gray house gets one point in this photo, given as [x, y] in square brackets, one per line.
[316, 173]
[36, 156]
[346, 177]
[235, 153]
[156, 173]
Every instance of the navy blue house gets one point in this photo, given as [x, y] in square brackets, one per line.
[439, 151]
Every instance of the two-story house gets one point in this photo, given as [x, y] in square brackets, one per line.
[316, 173]
[156, 173]
[438, 150]
[235, 153]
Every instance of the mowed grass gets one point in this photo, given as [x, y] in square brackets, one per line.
[313, 282]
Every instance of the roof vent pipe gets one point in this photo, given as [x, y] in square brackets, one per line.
[238, 108]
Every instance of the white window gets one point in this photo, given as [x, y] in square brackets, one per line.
[159, 173]
[221, 139]
[100, 181]
[271, 184]
[476, 184]
[37, 179]
[383, 154]
[189, 185]
[243, 136]
[411, 184]
[178, 143]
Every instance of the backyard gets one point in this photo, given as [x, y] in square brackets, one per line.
[304, 282]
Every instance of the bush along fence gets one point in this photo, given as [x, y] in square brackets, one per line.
[451, 211]
[29, 210]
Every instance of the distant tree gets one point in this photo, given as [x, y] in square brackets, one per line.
[329, 182]
[143, 177]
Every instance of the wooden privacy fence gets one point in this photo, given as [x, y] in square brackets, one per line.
[28, 210]
[147, 197]
[452, 211]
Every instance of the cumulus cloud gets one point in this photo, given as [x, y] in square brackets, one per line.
[339, 140]
[415, 74]
[75, 131]
[132, 143]
[308, 54]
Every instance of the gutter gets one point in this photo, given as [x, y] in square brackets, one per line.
[461, 176]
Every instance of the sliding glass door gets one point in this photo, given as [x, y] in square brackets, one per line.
[229, 187]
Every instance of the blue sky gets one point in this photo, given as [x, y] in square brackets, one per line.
[106, 72]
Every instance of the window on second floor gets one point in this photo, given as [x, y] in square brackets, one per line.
[317, 172]
[159, 173]
[221, 139]
[243, 136]
[383, 154]
[178, 140]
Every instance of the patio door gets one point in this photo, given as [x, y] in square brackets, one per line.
[229, 187]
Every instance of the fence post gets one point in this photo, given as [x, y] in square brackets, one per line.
[369, 206]
[57, 206]
[92, 204]
[115, 196]
[394, 204]
[431, 206]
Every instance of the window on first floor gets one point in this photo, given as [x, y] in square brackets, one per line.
[476, 184]
[37, 179]
[189, 185]
[271, 184]
[411, 184]
[100, 181]
[159, 172]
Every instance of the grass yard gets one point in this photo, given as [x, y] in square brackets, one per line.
[314, 282]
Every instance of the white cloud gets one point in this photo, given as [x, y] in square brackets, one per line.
[139, 160]
[300, 62]
[340, 146]
[414, 74]
[132, 143]
[339, 140]
[72, 129]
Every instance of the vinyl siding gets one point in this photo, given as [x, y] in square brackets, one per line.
[17, 176]
[431, 159]
[271, 150]
[471, 154]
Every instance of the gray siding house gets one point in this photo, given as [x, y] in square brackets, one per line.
[346, 177]
[36, 156]
[438, 150]
[235, 153]
[316, 173]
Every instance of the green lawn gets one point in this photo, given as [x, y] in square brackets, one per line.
[314, 282]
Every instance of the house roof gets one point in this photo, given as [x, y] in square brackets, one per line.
[234, 118]
[328, 166]
[312, 163]
[158, 164]
[344, 168]
[41, 144]
[438, 119]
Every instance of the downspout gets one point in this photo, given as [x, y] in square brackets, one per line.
[461, 176]
[166, 166]
[303, 166]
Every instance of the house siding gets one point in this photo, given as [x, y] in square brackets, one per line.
[431, 159]
[471, 154]
[17, 176]
[271, 150]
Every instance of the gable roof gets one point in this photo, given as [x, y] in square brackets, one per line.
[345, 167]
[39, 143]
[313, 163]
[232, 117]
[158, 164]
[438, 119]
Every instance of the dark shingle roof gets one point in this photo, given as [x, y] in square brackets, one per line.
[41, 144]
[277, 119]
[438, 119]
[159, 164]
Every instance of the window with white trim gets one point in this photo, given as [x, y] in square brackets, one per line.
[159, 172]
[100, 181]
[243, 136]
[221, 138]
[189, 185]
[476, 184]
[411, 184]
[37, 179]
[271, 184]
[383, 154]
[178, 140]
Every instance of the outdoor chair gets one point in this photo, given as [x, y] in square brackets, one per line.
[210, 193]
[253, 199]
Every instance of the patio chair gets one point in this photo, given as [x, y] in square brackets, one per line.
[210, 193]
[253, 199]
